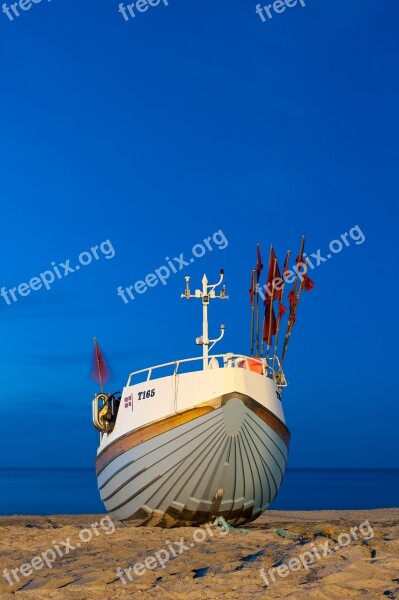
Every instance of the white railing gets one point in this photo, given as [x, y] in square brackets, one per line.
[230, 360]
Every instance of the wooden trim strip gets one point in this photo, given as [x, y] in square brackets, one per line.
[274, 423]
[133, 438]
[263, 413]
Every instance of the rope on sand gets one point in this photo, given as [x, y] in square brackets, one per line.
[304, 536]
[226, 527]
[286, 534]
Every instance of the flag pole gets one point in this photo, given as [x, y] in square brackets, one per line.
[253, 311]
[257, 321]
[302, 285]
[290, 323]
[299, 259]
[271, 308]
[280, 303]
[268, 271]
[257, 301]
[98, 365]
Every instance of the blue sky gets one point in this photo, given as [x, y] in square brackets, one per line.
[156, 133]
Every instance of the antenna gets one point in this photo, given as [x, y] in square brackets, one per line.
[206, 294]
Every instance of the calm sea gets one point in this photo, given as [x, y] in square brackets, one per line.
[74, 491]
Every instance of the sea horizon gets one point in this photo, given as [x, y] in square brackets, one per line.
[73, 490]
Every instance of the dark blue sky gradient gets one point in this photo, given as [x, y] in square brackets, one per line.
[154, 134]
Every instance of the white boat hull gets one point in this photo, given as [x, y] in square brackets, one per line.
[225, 456]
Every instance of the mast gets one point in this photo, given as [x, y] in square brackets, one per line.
[205, 331]
[206, 294]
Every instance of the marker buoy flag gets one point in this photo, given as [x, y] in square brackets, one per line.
[99, 371]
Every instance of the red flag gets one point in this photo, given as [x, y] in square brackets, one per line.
[252, 288]
[269, 324]
[293, 299]
[308, 283]
[99, 371]
[273, 274]
[281, 311]
[281, 308]
[259, 265]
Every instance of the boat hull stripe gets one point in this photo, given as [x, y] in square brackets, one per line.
[134, 438]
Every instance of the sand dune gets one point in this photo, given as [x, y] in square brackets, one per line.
[206, 564]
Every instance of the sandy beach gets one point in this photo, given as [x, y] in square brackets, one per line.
[317, 554]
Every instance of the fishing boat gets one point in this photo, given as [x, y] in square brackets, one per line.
[198, 438]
